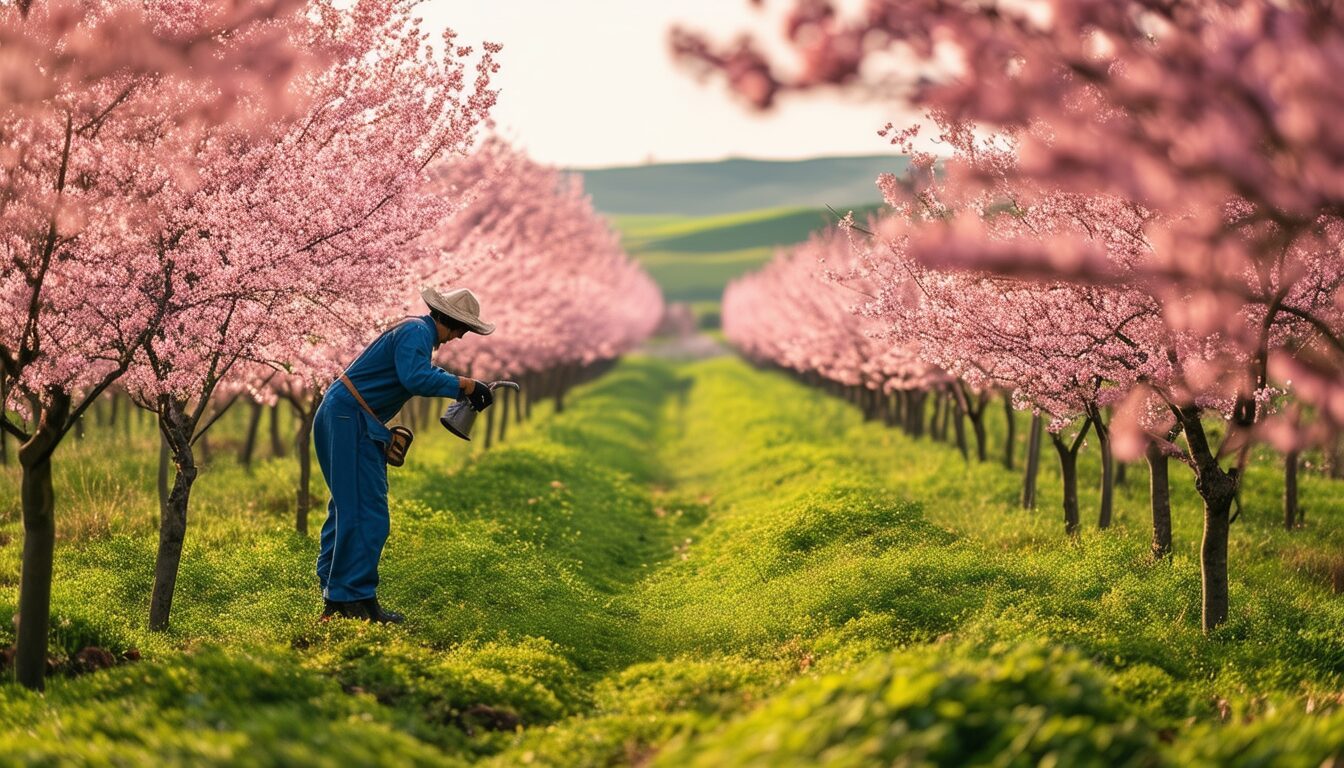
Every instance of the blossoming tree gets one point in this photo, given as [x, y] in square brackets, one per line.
[1217, 119]
[103, 102]
[297, 231]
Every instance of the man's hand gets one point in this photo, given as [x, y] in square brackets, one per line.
[466, 386]
[479, 395]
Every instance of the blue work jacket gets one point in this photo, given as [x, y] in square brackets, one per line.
[396, 367]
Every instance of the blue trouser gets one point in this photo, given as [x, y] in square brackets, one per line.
[350, 452]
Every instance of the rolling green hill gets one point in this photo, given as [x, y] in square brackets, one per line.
[693, 258]
[734, 185]
[731, 232]
[696, 226]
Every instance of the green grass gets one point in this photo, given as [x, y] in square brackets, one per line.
[508, 564]
[696, 564]
[893, 631]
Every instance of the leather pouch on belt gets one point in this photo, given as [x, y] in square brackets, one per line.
[396, 440]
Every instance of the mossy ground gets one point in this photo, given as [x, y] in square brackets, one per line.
[692, 564]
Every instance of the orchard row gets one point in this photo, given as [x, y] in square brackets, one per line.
[224, 201]
[1134, 227]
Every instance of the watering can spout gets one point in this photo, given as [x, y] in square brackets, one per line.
[460, 417]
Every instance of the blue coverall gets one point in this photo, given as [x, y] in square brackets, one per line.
[350, 450]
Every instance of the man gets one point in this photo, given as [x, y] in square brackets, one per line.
[351, 443]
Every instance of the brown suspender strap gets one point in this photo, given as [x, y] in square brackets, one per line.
[350, 386]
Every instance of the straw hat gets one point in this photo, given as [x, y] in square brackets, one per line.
[459, 304]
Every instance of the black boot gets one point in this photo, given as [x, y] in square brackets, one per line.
[351, 610]
[376, 613]
[368, 610]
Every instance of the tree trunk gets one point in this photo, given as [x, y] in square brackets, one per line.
[39, 543]
[277, 445]
[1217, 488]
[1121, 473]
[504, 398]
[1159, 496]
[489, 427]
[974, 410]
[978, 425]
[164, 456]
[959, 424]
[173, 514]
[4, 436]
[98, 409]
[1107, 470]
[518, 404]
[936, 418]
[1010, 441]
[1337, 457]
[1290, 517]
[559, 379]
[250, 442]
[1033, 463]
[302, 444]
[1213, 557]
[914, 413]
[947, 417]
[1068, 468]
[872, 404]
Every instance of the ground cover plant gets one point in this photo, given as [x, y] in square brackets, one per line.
[249, 606]
[1037, 462]
[861, 570]
[624, 583]
[1068, 245]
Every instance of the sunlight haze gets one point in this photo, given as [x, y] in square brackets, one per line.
[593, 83]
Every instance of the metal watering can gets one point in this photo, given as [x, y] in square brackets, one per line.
[459, 417]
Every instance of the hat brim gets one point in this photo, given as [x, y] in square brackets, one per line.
[476, 324]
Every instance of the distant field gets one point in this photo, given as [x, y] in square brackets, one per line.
[694, 257]
[725, 186]
[730, 232]
[700, 277]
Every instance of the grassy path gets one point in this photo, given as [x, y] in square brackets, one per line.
[817, 609]
[693, 564]
[510, 566]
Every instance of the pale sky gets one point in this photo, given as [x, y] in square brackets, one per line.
[591, 83]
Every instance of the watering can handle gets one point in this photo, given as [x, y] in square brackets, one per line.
[510, 384]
